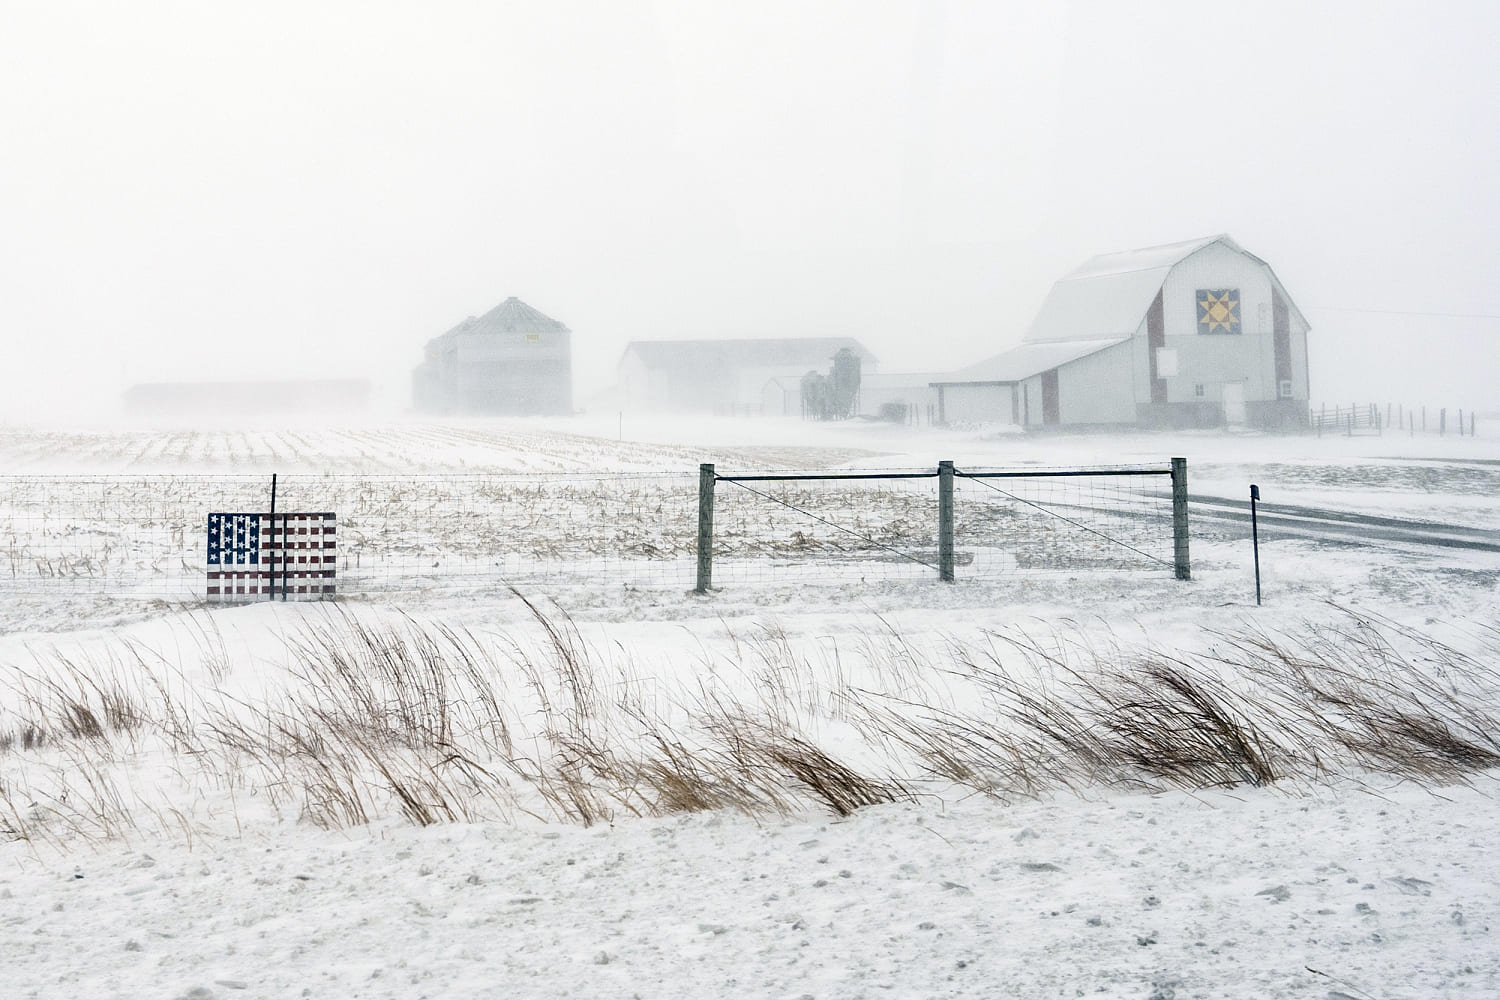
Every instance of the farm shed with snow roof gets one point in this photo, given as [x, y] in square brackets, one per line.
[1193, 334]
[760, 376]
[513, 360]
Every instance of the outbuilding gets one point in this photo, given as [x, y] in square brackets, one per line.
[749, 376]
[1194, 334]
[513, 360]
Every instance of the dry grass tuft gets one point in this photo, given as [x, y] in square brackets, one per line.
[383, 716]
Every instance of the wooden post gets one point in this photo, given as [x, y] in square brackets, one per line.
[705, 528]
[1180, 519]
[1460, 422]
[271, 575]
[1442, 421]
[945, 522]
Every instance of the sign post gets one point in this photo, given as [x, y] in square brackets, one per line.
[1255, 539]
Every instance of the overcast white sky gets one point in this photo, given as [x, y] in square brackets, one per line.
[193, 190]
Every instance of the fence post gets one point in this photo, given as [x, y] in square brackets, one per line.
[271, 575]
[705, 528]
[1255, 539]
[1180, 519]
[945, 522]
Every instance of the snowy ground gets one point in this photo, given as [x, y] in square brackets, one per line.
[205, 883]
[1254, 894]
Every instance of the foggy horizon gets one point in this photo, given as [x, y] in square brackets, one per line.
[197, 194]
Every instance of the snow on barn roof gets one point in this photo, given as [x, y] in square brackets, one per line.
[768, 352]
[510, 316]
[1109, 294]
[1027, 360]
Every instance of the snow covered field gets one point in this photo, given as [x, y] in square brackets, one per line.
[625, 790]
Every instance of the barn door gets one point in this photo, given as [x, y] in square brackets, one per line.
[1234, 404]
[1051, 409]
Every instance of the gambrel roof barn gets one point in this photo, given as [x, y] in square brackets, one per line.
[1193, 334]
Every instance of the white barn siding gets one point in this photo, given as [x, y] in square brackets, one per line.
[1214, 359]
[1031, 401]
[1091, 391]
[991, 403]
[1301, 386]
[1138, 350]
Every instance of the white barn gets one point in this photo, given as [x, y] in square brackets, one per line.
[1195, 334]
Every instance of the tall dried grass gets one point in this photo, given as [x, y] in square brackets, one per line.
[387, 716]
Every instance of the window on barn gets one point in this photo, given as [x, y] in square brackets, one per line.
[1197, 388]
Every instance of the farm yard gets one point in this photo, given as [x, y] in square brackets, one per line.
[519, 754]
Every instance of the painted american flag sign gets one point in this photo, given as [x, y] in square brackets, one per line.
[258, 557]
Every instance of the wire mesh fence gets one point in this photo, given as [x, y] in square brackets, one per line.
[1064, 520]
[831, 530]
[147, 536]
[843, 527]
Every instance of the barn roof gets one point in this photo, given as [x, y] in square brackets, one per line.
[510, 316]
[768, 352]
[1027, 360]
[1149, 258]
[1108, 295]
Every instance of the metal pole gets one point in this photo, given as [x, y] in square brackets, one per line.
[1255, 539]
[1180, 519]
[706, 480]
[945, 522]
[271, 576]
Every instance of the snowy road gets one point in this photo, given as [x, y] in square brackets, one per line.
[1290, 520]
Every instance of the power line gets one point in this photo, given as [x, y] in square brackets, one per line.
[1406, 312]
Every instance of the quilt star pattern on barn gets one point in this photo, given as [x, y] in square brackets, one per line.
[1218, 310]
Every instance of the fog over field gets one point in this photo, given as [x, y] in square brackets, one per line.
[200, 193]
